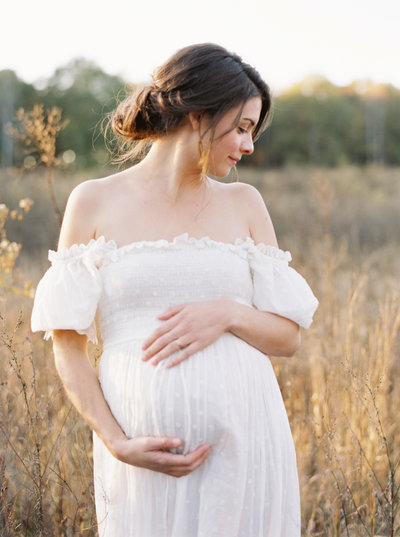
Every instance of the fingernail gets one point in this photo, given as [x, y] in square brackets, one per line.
[176, 441]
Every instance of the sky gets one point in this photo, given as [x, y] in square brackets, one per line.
[286, 40]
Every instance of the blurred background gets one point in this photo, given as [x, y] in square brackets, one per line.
[328, 168]
[332, 70]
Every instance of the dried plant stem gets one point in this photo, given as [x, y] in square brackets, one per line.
[50, 185]
[37, 131]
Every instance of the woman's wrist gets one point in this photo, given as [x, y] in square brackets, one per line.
[231, 313]
[117, 446]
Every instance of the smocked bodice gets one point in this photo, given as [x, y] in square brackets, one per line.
[130, 285]
[141, 282]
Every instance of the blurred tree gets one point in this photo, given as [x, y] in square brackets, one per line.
[85, 94]
[315, 122]
[392, 129]
[13, 92]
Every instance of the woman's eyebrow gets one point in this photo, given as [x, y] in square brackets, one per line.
[250, 120]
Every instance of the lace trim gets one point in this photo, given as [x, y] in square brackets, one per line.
[179, 241]
[273, 251]
[77, 250]
[112, 252]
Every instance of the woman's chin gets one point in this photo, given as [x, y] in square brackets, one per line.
[221, 172]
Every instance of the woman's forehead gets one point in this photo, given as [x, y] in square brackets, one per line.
[250, 110]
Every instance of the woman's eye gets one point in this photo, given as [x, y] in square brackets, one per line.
[242, 130]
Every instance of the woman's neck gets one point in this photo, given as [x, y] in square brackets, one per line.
[172, 165]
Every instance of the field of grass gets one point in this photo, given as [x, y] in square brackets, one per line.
[341, 389]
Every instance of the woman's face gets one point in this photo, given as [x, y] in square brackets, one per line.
[233, 139]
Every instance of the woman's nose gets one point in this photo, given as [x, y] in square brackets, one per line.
[247, 146]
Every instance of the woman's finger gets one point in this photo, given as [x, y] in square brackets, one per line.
[185, 470]
[184, 354]
[184, 463]
[172, 464]
[174, 346]
[153, 453]
[160, 343]
[162, 443]
[169, 312]
[157, 333]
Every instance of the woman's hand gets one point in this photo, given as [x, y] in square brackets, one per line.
[189, 328]
[152, 453]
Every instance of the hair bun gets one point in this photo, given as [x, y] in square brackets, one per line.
[137, 117]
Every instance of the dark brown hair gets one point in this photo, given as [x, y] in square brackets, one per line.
[203, 78]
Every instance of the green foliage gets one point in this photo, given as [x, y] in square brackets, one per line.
[13, 92]
[83, 92]
[318, 123]
[86, 95]
[315, 122]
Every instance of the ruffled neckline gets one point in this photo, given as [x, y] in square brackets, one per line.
[110, 247]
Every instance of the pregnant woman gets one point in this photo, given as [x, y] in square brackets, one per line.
[191, 293]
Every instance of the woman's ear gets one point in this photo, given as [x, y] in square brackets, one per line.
[194, 120]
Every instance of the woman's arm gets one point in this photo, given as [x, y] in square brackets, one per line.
[268, 332]
[82, 386]
[194, 325]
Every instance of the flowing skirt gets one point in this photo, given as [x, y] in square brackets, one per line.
[226, 395]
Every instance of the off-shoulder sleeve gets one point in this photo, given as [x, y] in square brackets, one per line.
[278, 288]
[68, 294]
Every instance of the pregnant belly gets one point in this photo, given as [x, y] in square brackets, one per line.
[210, 397]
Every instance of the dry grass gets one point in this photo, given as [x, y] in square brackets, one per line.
[340, 390]
[45, 450]
[341, 395]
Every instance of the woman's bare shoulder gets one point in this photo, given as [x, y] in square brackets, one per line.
[84, 207]
[249, 200]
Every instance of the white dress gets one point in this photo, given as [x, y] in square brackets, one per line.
[226, 394]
